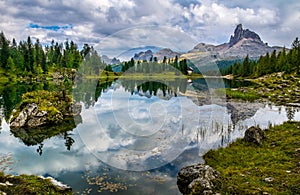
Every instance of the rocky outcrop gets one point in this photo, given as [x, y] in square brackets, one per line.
[197, 179]
[108, 60]
[43, 107]
[166, 52]
[30, 116]
[70, 73]
[242, 43]
[240, 33]
[143, 55]
[254, 135]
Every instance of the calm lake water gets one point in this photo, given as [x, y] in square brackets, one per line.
[133, 136]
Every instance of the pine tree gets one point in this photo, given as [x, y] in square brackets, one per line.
[296, 47]
[4, 52]
[10, 64]
[245, 70]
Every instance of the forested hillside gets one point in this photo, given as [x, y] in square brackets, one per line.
[28, 58]
[287, 61]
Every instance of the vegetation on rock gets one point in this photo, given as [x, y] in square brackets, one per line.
[29, 184]
[52, 106]
[271, 168]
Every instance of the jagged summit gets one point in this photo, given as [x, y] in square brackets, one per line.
[240, 33]
[143, 55]
[146, 55]
[242, 43]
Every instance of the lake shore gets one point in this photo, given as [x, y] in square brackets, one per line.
[281, 89]
[271, 168]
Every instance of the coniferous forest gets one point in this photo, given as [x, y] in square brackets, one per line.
[31, 58]
[28, 58]
[287, 60]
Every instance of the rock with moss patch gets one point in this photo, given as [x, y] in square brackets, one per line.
[31, 184]
[40, 108]
[254, 135]
[197, 179]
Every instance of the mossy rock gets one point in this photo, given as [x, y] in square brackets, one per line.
[30, 185]
[43, 108]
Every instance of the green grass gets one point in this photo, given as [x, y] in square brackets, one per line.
[244, 166]
[24, 184]
[247, 96]
[28, 184]
[137, 75]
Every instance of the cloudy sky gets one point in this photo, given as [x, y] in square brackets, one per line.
[91, 21]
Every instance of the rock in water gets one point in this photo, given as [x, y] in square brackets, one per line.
[60, 186]
[197, 179]
[40, 108]
[254, 135]
[30, 116]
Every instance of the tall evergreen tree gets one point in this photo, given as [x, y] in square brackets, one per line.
[4, 52]
[296, 47]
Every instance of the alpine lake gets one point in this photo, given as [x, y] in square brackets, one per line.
[133, 135]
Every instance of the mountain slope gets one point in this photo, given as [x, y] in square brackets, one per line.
[242, 43]
[146, 55]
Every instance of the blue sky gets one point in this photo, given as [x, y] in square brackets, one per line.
[52, 28]
[89, 21]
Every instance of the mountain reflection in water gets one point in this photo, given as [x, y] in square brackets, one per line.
[129, 115]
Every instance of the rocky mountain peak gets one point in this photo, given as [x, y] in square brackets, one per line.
[240, 33]
[143, 55]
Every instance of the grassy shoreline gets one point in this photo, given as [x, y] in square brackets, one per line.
[278, 88]
[29, 184]
[272, 168]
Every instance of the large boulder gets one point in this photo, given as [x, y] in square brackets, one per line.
[254, 135]
[197, 179]
[30, 116]
[40, 108]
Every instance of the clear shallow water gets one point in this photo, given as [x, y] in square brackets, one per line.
[135, 141]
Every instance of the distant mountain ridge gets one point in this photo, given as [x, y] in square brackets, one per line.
[147, 55]
[108, 60]
[209, 58]
[244, 42]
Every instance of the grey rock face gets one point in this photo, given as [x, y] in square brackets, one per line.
[240, 33]
[254, 135]
[27, 115]
[143, 55]
[243, 42]
[197, 179]
[166, 52]
[108, 60]
[30, 116]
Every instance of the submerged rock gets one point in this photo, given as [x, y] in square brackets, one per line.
[254, 135]
[197, 179]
